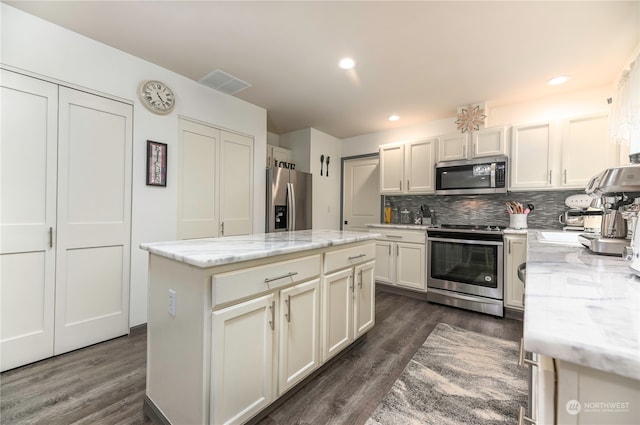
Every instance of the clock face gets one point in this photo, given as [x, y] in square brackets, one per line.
[157, 97]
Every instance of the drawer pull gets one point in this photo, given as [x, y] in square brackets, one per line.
[271, 279]
[357, 256]
[522, 419]
[521, 360]
[394, 236]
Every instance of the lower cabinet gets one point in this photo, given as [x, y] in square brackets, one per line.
[348, 308]
[515, 253]
[401, 258]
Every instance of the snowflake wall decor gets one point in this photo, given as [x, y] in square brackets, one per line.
[470, 120]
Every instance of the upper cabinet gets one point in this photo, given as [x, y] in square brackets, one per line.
[407, 168]
[277, 155]
[485, 142]
[561, 155]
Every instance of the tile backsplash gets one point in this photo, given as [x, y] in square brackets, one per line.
[489, 209]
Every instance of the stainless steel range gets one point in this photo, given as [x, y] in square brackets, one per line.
[465, 267]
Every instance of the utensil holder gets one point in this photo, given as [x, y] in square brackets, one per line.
[518, 221]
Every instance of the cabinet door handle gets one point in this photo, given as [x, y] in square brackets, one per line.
[549, 176]
[351, 283]
[288, 313]
[400, 185]
[271, 279]
[50, 237]
[357, 256]
[521, 360]
[397, 250]
[522, 419]
[509, 248]
[565, 176]
[408, 185]
[272, 307]
[464, 151]
[389, 250]
[222, 228]
[360, 284]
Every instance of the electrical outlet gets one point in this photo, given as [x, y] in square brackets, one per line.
[172, 302]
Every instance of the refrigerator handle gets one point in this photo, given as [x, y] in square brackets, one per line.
[289, 206]
[293, 210]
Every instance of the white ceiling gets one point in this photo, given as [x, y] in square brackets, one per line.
[419, 60]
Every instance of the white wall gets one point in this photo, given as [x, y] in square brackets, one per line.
[549, 108]
[37, 46]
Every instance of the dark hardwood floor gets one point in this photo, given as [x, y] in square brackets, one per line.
[104, 383]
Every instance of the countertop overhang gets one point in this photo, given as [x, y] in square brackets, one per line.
[211, 252]
[582, 308]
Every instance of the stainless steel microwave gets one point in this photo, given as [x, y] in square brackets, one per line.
[473, 176]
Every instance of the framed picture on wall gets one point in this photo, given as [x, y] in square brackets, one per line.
[156, 163]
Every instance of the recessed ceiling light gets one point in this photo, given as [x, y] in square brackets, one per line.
[558, 80]
[346, 63]
[394, 118]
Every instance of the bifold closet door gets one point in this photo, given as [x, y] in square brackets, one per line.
[94, 219]
[29, 115]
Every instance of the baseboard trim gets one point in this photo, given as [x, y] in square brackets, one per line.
[513, 314]
[401, 291]
[152, 412]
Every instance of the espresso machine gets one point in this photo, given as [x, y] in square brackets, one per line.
[617, 188]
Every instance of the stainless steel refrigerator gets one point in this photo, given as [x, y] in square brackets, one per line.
[288, 200]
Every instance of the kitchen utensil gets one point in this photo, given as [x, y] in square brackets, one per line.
[328, 166]
[321, 163]
[531, 207]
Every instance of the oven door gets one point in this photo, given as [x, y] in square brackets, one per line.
[468, 266]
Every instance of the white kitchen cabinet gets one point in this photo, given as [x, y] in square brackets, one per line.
[486, 142]
[407, 168]
[337, 324]
[401, 258]
[299, 326]
[563, 154]
[579, 395]
[391, 169]
[242, 360]
[515, 253]
[452, 147]
[215, 182]
[66, 219]
[364, 299]
[586, 150]
[278, 156]
[531, 156]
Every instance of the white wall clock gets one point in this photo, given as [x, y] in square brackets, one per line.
[157, 97]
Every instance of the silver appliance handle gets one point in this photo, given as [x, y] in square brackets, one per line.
[493, 175]
[293, 210]
[289, 206]
[471, 242]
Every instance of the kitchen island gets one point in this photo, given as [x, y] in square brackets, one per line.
[582, 319]
[236, 322]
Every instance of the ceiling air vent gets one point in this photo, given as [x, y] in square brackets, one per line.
[223, 82]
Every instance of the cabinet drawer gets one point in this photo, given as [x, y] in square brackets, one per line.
[411, 236]
[230, 286]
[347, 257]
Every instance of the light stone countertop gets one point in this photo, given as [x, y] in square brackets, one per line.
[582, 307]
[210, 252]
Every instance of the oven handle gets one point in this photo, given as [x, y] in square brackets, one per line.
[471, 242]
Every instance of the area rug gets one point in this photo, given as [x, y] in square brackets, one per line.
[457, 377]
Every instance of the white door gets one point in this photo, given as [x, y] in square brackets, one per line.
[29, 115]
[391, 169]
[299, 333]
[410, 267]
[94, 220]
[586, 150]
[419, 166]
[236, 184]
[197, 155]
[515, 254]
[361, 197]
[242, 360]
[337, 312]
[364, 304]
[385, 261]
[531, 156]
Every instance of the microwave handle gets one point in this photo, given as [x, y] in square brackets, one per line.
[493, 174]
